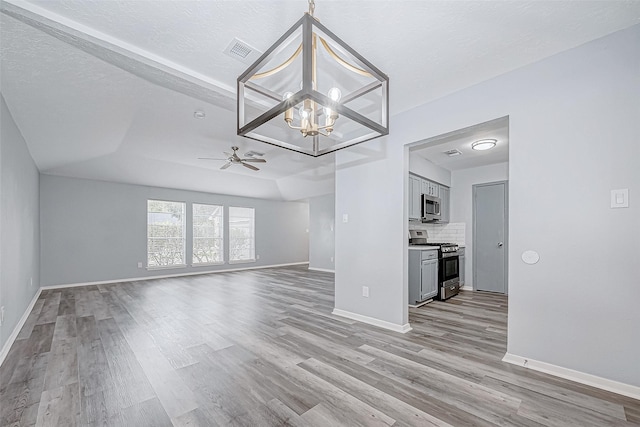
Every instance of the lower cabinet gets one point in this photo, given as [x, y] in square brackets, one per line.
[429, 276]
[423, 275]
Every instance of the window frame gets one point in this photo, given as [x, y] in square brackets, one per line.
[252, 237]
[184, 237]
[194, 238]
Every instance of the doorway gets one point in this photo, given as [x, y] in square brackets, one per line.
[490, 237]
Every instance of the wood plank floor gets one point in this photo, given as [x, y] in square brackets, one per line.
[261, 348]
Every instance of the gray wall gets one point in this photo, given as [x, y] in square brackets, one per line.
[19, 224]
[322, 244]
[574, 126]
[427, 169]
[96, 231]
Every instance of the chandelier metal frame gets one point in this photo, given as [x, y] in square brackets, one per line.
[308, 96]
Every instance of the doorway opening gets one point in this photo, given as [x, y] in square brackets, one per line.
[451, 163]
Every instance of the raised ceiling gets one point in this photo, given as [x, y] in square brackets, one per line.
[107, 89]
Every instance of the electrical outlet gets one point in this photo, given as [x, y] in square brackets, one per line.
[345, 218]
[1, 315]
[331, 259]
[139, 264]
[257, 256]
[365, 291]
[31, 281]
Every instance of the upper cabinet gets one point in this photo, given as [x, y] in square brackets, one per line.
[415, 202]
[430, 188]
[419, 186]
[445, 202]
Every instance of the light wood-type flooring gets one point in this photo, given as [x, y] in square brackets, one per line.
[261, 348]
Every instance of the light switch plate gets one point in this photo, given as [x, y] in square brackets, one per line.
[345, 217]
[620, 198]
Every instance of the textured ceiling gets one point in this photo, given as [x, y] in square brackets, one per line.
[107, 89]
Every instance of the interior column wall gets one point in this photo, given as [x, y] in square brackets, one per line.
[573, 122]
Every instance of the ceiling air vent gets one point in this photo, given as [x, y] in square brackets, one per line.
[242, 52]
[452, 153]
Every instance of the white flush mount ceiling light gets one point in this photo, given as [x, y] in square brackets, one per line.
[199, 114]
[312, 93]
[484, 144]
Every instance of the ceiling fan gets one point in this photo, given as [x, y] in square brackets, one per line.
[234, 159]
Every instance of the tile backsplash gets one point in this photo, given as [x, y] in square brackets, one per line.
[453, 232]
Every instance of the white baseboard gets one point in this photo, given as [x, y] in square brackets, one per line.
[467, 288]
[326, 270]
[167, 276]
[577, 376]
[7, 345]
[372, 321]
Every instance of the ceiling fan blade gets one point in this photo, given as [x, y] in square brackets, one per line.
[255, 160]
[253, 153]
[226, 165]
[209, 158]
[250, 167]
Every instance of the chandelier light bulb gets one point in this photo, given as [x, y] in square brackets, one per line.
[334, 94]
[304, 113]
[287, 95]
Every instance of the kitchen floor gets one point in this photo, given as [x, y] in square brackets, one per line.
[261, 348]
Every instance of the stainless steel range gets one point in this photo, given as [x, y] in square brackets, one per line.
[448, 264]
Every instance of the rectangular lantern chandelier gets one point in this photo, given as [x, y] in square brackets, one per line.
[312, 93]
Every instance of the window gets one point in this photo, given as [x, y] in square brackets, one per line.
[165, 233]
[207, 234]
[242, 242]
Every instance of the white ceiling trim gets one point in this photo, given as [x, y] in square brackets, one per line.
[123, 55]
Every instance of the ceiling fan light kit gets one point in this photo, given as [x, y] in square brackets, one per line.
[312, 93]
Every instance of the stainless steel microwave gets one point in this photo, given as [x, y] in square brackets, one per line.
[430, 208]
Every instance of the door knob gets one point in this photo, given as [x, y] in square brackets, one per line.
[500, 244]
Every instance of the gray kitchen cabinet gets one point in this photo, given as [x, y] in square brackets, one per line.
[461, 265]
[423, 275]
[415, 202]
[430, 188]
[445, 203]
[429, 273]
[419, 186]
[435, 189]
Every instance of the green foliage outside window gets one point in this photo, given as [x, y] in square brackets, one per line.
[165, 233]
